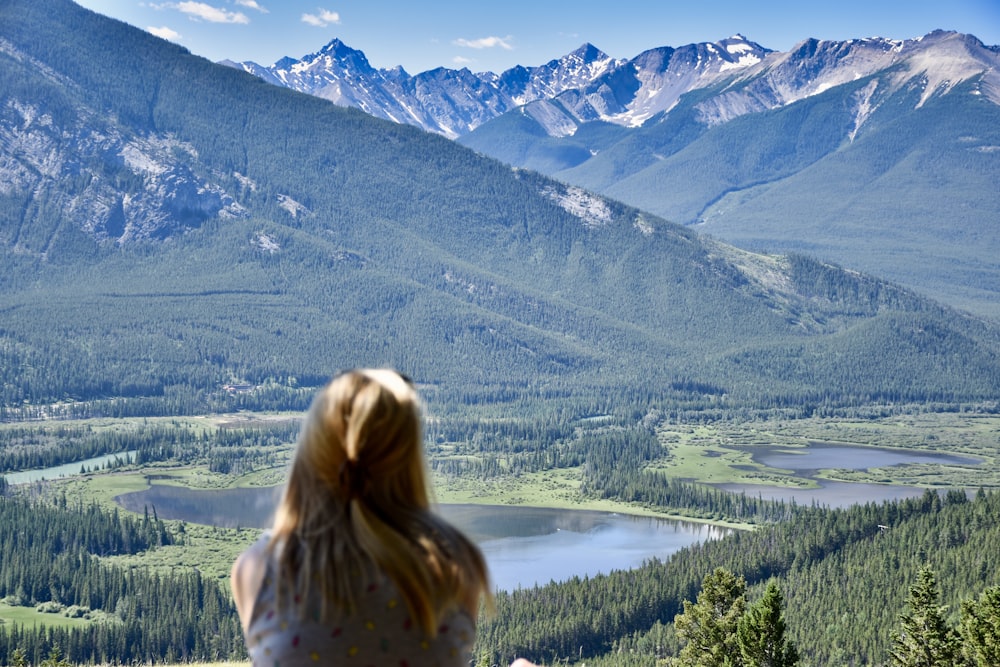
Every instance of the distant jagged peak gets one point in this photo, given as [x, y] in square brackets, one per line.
[586, 53]
[335, 47]
[586, 58]
[396, 73]
[575, 70]
[738, 44]
[933, 64]
[335, 51]
[944, 59]
[286, 63]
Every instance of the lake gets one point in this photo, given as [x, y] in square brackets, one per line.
[818, 456]
[523, 546]
[806, 461]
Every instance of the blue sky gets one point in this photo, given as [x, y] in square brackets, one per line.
[495, 36]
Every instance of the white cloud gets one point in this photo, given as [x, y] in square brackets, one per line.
[459, 60]
[322, 19]
[205, 12]
[164, 33]
[252, 4]
[486, 43]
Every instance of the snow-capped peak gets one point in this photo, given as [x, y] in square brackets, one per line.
[588, 84]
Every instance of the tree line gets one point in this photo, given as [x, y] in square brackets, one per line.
[843, 574]
[50, 559]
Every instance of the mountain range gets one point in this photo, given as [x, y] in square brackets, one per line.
[170, 227]
[878, 154]
[583, 86]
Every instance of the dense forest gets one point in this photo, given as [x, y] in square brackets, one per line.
[843, 575]
[49, 559]
[222, 449]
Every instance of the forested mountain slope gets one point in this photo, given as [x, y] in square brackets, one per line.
[877, 153]
[169, 226]
[880, 155]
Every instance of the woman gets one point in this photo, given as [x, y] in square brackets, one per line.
[357, 569]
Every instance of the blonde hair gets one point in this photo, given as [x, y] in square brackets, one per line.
[357, 501]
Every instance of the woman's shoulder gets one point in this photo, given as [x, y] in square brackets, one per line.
[255, 556]
[247, 574]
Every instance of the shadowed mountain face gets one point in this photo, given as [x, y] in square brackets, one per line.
[169, 226]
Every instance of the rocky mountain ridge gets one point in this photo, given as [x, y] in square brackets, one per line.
[41, 150]
[587, 84]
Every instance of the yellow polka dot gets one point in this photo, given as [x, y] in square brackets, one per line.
[392, 603]
[284, 625]
[315, 656]
[353, 651]
[370, 625]
[424, 645]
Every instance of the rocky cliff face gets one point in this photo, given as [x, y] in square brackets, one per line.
[81, 168]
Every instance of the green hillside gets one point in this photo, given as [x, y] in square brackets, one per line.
[910, 194]
[350, 241]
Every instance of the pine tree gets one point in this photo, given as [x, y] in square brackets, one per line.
[761, 633]
[707, 628]
[923, 639]
[18, 658]
[980, 629]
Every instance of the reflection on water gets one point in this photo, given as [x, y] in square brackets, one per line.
[523, 546]
[227, 508]
[555, 545]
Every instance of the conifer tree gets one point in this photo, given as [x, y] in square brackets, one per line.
[761, 633]
[707, 628]
[980, 629]
[923, 639]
